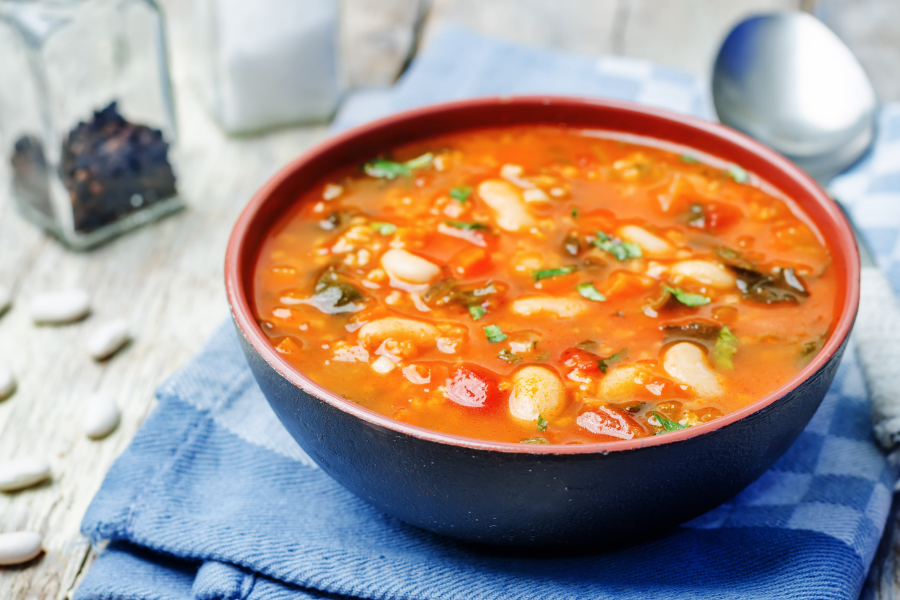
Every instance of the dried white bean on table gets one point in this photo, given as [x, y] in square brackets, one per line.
[60, 307]
[5, 299]
[7, 382]
[19, 546]
[101, 416]
[108, 339]
[20, 473]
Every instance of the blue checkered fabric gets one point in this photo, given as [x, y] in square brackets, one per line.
[214, 500]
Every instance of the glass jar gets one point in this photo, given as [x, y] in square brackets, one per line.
[86, 115]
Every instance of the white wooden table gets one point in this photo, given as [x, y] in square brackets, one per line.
[167, 278]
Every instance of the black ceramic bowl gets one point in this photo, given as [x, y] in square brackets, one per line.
[514, 494]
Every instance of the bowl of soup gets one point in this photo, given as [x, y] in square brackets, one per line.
[543, 321]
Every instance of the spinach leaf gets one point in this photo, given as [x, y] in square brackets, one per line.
[621, 250]
[688, 299]
[605, 363]
[668, 424]
[545, 273]
[388, 169]
[509, 356]
[494, 334]
[448, 291]
[783, 286]
[466, 226]
[461, 193]
[588, 290]
[695, 330]
[725, 348]
[332, 294]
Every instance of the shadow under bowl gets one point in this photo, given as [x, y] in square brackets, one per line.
[536, 495]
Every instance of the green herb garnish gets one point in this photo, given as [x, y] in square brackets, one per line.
[725, 348]
[461, 193]
[494, 334]
[668, 424]
[545, 273]
[588, 290]
[534, 440]
[542, 423]
[575, 212]
[466, 226]
[509, 356]
[476, 312]
[389, 169]
[688, 299]
[605, 363]
[738, 174]
[688, 159]
[621, 250]
[383, 228]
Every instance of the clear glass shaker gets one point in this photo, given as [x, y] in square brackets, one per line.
[87, 117]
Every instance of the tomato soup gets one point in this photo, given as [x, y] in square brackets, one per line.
[545, 285]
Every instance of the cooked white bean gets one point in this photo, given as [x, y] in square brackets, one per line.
[383, 365]
[535, 195]
[622, 382]
[537, 391]
[507, 202]
[101, 416]
[651, 245]
[60, 307]
[418, 333]
[705, 272]
[687, 363]
[5, 299]
[7, 382]
[108, 339]
[20, 473]
[18, 547]
[408, 267]
[564, 308]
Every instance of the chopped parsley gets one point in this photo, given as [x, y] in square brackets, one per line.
[738, 174]
[466, 226]
[668, 424]
[605, 363]
[542, 423]
[688, 299]
[725, 348]
[383, 228]
[685, 158]
[461, 193]
[534, 440]
[546, 273]
[389, 169]
[574, 212]
[509, 356]
[588, 290]
[494, 334]
[476, 312]
[621, 250]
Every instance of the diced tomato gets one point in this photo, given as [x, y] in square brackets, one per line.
[626, 283]
[471, 386]
[470, 262]
[714, 216]
[584, 361]
[609, 422]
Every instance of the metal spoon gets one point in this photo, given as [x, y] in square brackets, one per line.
[788, 81]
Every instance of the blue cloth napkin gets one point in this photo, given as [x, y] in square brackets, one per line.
[213, 500]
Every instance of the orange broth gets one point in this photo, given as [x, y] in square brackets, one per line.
[544, 285]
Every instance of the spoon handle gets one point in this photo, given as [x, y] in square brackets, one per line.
[877, 334]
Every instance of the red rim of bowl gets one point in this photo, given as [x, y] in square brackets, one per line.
[237, 256]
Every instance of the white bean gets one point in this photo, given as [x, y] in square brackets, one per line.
[5, 299]
[60, 307]
[564, 308]
[108, 339]
[18, 547]
[537, 391]
[20, 473]
[507, 202]
[687, 363]
[622, 382]
[418, 333]
[7, 383]
[705, 272]
[101, 416]
[408, 267]
[651, 245]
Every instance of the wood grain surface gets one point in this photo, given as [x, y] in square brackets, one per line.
[166, 279]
